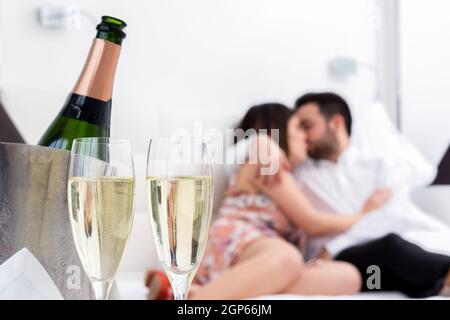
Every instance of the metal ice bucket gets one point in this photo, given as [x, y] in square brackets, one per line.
[34, 214]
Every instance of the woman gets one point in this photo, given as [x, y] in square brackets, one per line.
[254, 248]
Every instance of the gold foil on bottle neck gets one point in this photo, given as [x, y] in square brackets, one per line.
[97, 78]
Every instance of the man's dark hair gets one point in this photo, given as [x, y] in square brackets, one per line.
[330, 104]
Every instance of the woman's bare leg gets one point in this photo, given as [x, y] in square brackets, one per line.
[327, 278]
[268, 266]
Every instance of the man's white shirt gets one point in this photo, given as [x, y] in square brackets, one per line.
[344, 187]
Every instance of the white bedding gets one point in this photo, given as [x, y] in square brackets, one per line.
[131, 287]
[140, 255]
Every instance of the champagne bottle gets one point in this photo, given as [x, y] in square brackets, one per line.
[87, 110]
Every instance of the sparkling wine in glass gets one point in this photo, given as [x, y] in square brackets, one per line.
[101, 202]
[180, 193]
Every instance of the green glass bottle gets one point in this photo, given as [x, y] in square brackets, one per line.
[87, 110]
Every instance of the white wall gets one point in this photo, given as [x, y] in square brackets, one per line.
[425, 56]
[186, 61]
[425, 87]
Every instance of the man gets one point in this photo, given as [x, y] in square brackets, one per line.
[341, 179]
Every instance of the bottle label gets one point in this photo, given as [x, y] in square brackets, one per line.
[87, 109]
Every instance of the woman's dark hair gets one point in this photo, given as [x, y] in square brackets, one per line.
[269, 116]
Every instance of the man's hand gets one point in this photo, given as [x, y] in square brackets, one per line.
[377, 200]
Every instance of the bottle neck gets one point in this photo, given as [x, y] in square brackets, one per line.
[97, 78]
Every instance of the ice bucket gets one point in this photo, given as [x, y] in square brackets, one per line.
[34, 215]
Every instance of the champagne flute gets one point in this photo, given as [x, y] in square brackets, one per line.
[180, 193]
[101, 201]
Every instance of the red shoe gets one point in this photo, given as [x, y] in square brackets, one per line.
[159, 286]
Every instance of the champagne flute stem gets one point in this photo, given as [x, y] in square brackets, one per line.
[101, 289]
[180, 285]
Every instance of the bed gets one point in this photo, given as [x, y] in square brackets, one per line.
[140, 255]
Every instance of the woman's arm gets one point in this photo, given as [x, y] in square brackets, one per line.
[283, 189]
[301, 212]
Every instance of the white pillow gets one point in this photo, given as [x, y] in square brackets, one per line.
[375, 135]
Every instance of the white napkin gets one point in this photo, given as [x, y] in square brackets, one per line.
[22, 277]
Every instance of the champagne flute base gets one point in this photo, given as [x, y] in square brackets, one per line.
[180, 284]
[101, 289]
